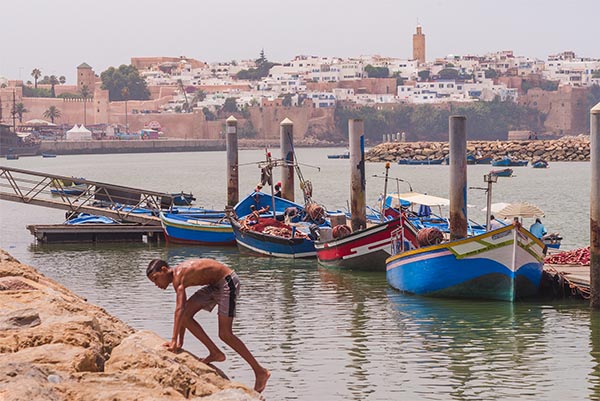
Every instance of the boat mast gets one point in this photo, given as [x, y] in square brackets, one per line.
[387, 170]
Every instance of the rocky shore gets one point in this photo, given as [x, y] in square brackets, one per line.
[575, 148]
[56, 346]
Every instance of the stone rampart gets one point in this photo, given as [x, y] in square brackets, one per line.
[573, 148]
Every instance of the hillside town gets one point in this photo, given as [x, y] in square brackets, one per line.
[190, 99]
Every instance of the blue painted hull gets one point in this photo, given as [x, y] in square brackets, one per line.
[414, 162]
[510, 163]
[503, 264]
[189, 230]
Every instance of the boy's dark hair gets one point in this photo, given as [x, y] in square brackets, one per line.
[155, 265]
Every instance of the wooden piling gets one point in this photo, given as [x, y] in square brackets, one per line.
[358, 202]
[458, 177]
[286, 134]
[595, 207]
[233, 195]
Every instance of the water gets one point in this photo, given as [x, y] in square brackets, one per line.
[332, 335]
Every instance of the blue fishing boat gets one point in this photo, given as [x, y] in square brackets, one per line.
[509, 162]
[503, 264]
[190, 229]
[259, 227]
[345, 155]
[419, 162]
[539, 164]
[183, 199]
[48, 155]
[72, 190]
[506, 172]
[12, 156]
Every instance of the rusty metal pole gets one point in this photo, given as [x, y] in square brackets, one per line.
[233, 191]
[595, 208]
[286, 134]
[458, 177]
[358, 202]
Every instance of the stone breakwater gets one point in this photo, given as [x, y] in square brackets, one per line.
[55, 346]
[565, 149]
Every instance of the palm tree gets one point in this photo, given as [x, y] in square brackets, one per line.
[18, 110]
[36, 74]
[125, 95]
[85, 93]
[52, 113]
[53, 82]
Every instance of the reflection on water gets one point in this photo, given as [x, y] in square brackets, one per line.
[334, 335]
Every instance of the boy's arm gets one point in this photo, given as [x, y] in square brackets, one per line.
[176, 340]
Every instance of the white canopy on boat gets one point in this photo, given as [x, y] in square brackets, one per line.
[421, 199]
[520, 209]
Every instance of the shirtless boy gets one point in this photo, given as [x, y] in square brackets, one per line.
[220, 286]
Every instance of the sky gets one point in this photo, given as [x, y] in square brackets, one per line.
[58, 35]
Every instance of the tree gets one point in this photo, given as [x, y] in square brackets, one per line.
[62, 79]
[262, 69]
[85, 93]
[199, 96]
[424, 75]
[230, 105]
[491, 73]
[377, 72]
[287, 100]
[18, 110]
[448, 73]
[208, 115]
[52, 113]
[53, 82]
[126, 76]
[36, 74]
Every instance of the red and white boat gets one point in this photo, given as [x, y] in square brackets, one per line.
[369, 248]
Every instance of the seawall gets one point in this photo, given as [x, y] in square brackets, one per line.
[56, 346]
[573, 148]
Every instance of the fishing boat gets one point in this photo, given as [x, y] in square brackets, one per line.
[539, 164]
[365, 249]
[504, 264]
[259, 226]
[345, 155]
[193, 229]
[48, 155]
[12, 156]
[473, 159]
[71, 190]
[509, 162]
[183, 199]
[506, 172]
[419, 162]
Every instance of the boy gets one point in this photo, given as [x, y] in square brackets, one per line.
[220, 286]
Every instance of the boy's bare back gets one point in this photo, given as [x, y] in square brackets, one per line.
[195, 272]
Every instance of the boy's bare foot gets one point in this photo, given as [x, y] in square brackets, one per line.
[261, 380]
[220, 357]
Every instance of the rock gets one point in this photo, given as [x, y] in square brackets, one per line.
[55, 346]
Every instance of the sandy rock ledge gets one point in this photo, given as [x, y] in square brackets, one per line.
[56, 346]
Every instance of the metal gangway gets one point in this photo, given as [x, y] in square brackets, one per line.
[79, 195]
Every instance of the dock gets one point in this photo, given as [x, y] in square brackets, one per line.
[93, 233]
[566, 281]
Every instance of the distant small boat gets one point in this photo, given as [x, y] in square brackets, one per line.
[70, 190]
[345, 155]
[12, 157]
[472, 159]
[507, 172]
[44, 154]
[508, 162]
[418, 162]
[539, 164]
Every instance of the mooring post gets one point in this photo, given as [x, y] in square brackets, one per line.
[358, 202]
[595, 207]
[286, 134]
[458, 177]
[232, 162]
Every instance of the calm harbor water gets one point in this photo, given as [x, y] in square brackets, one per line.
[332, 335]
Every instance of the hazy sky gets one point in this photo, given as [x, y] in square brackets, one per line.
[58, 35]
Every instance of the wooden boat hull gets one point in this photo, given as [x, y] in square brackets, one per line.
[269, 245]
[509, 163]
[504, 264]
[507, 172]
[414, 162]
[365, 249]
[540, 164]
[189, 230]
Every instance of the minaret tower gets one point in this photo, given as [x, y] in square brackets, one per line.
[419, 45]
